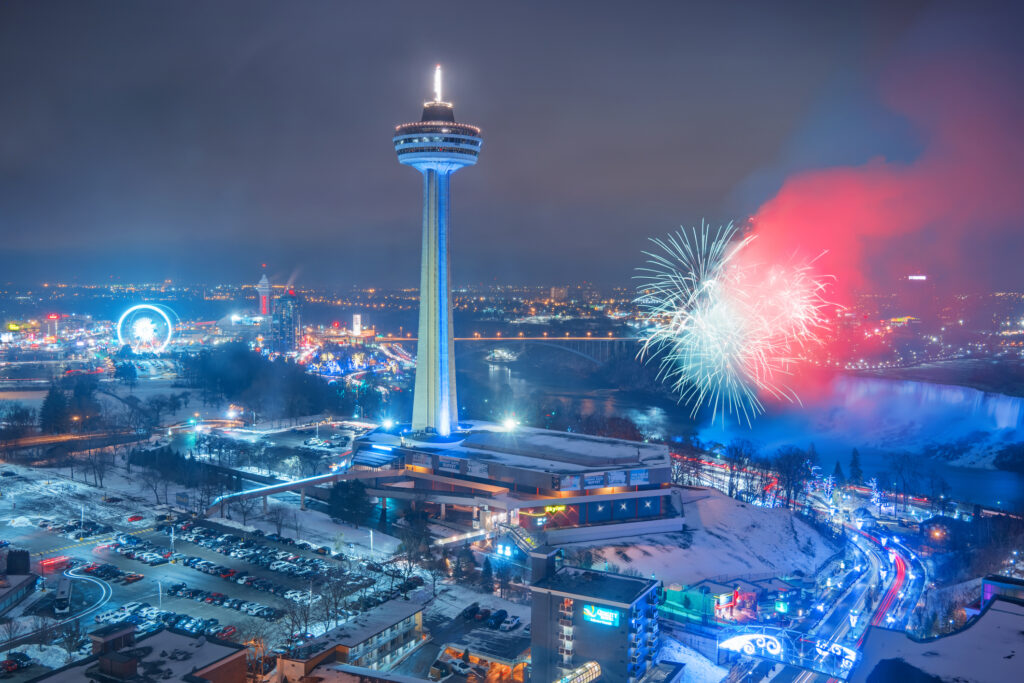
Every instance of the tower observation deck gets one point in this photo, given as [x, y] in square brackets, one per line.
[436, 146]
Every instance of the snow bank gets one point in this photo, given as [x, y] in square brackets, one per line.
[50, 656]
[723, 537]
[699, 669]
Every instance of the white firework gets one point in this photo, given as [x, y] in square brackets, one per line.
[725, 332]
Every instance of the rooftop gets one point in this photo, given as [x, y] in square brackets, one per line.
[365, 625]
[536, 449]
[595, 585]
[984, 651]
[164, 655]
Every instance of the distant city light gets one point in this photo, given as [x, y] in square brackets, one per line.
[509, 424]
[917, 277]
[388, 423]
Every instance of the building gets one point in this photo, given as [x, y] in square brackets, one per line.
[539, 486]
[376, 639]
[436, 146]
[14, 588]
[285, 331]
[582, 615]
[263, 301]
[357, 325]
[164, 655]
[985, 651]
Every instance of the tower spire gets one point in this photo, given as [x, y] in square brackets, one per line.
[437, 84]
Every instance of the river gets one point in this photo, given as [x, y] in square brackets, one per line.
[877, 416]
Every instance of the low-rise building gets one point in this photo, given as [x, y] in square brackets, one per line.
[376, 639]
[164, 655]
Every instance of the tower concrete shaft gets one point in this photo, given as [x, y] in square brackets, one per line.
[436, 146]
[435, 404]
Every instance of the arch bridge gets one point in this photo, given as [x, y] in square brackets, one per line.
[593, 348]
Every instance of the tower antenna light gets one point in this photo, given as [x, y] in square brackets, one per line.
[437, 84]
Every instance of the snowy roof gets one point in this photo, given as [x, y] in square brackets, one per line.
[346, 673]
[603, 586]
[368, 624]
[527, 447]
[164, 655]
[984, 651]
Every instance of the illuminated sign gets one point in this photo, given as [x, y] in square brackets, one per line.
[448, 464]
[570, 482]
[617, 478]
[638, 477]
[552, 509]
[600, 615]
[593, 481]
[917, 277]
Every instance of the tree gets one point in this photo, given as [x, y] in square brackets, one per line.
[790, 463]
[72, 637]
[487, 576]
[504, 579]
[465, 655]
[127, 374]
[737, 456]
[10, 630]
[349, 502]
[244, 507]
[838, 475]
[856, 473]
[54, 416]
[277, 515]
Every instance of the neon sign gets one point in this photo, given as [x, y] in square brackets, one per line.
[552, 509]
[600, 615]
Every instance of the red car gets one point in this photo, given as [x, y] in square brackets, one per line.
[135, 518]
[227, 632]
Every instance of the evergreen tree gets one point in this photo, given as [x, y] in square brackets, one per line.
[487, 576]
[53, 414]
[838, 475]
[856, 473]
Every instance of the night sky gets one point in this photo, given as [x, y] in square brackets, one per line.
[195, 140]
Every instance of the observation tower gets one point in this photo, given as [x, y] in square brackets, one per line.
[436, 146]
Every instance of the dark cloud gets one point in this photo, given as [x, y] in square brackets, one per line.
[197, 140]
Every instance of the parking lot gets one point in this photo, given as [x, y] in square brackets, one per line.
[236, 581]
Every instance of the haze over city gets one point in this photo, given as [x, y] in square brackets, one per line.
[511, 343]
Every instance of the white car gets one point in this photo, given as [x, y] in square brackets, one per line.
[460, 667]
[510, 623]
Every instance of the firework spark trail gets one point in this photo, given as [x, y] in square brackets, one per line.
[726, 332]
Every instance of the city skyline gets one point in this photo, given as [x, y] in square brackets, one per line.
[151, 163]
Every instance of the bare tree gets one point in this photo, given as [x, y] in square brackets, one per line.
[10, 630]
[296, 523]
[72, 637]
[245, 507]
[151, 479]
[277, 515]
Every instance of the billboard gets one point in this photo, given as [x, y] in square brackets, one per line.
[593, 481]
[570, 482]
[447, 464]
[421, 459]
[476, 469]
[617, 478]
[600, 615]
[637, 477]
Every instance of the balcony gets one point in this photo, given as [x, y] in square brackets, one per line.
[565, 622]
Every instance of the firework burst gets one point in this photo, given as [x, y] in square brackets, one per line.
[726, 332]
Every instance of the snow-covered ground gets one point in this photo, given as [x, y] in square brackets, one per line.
[699, 669]
[50, 656]
[723, 538]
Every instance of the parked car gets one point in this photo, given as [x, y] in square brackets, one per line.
[496, 619]
[510, 623]
[460, 667]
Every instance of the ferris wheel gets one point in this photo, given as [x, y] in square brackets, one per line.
[146, 328]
